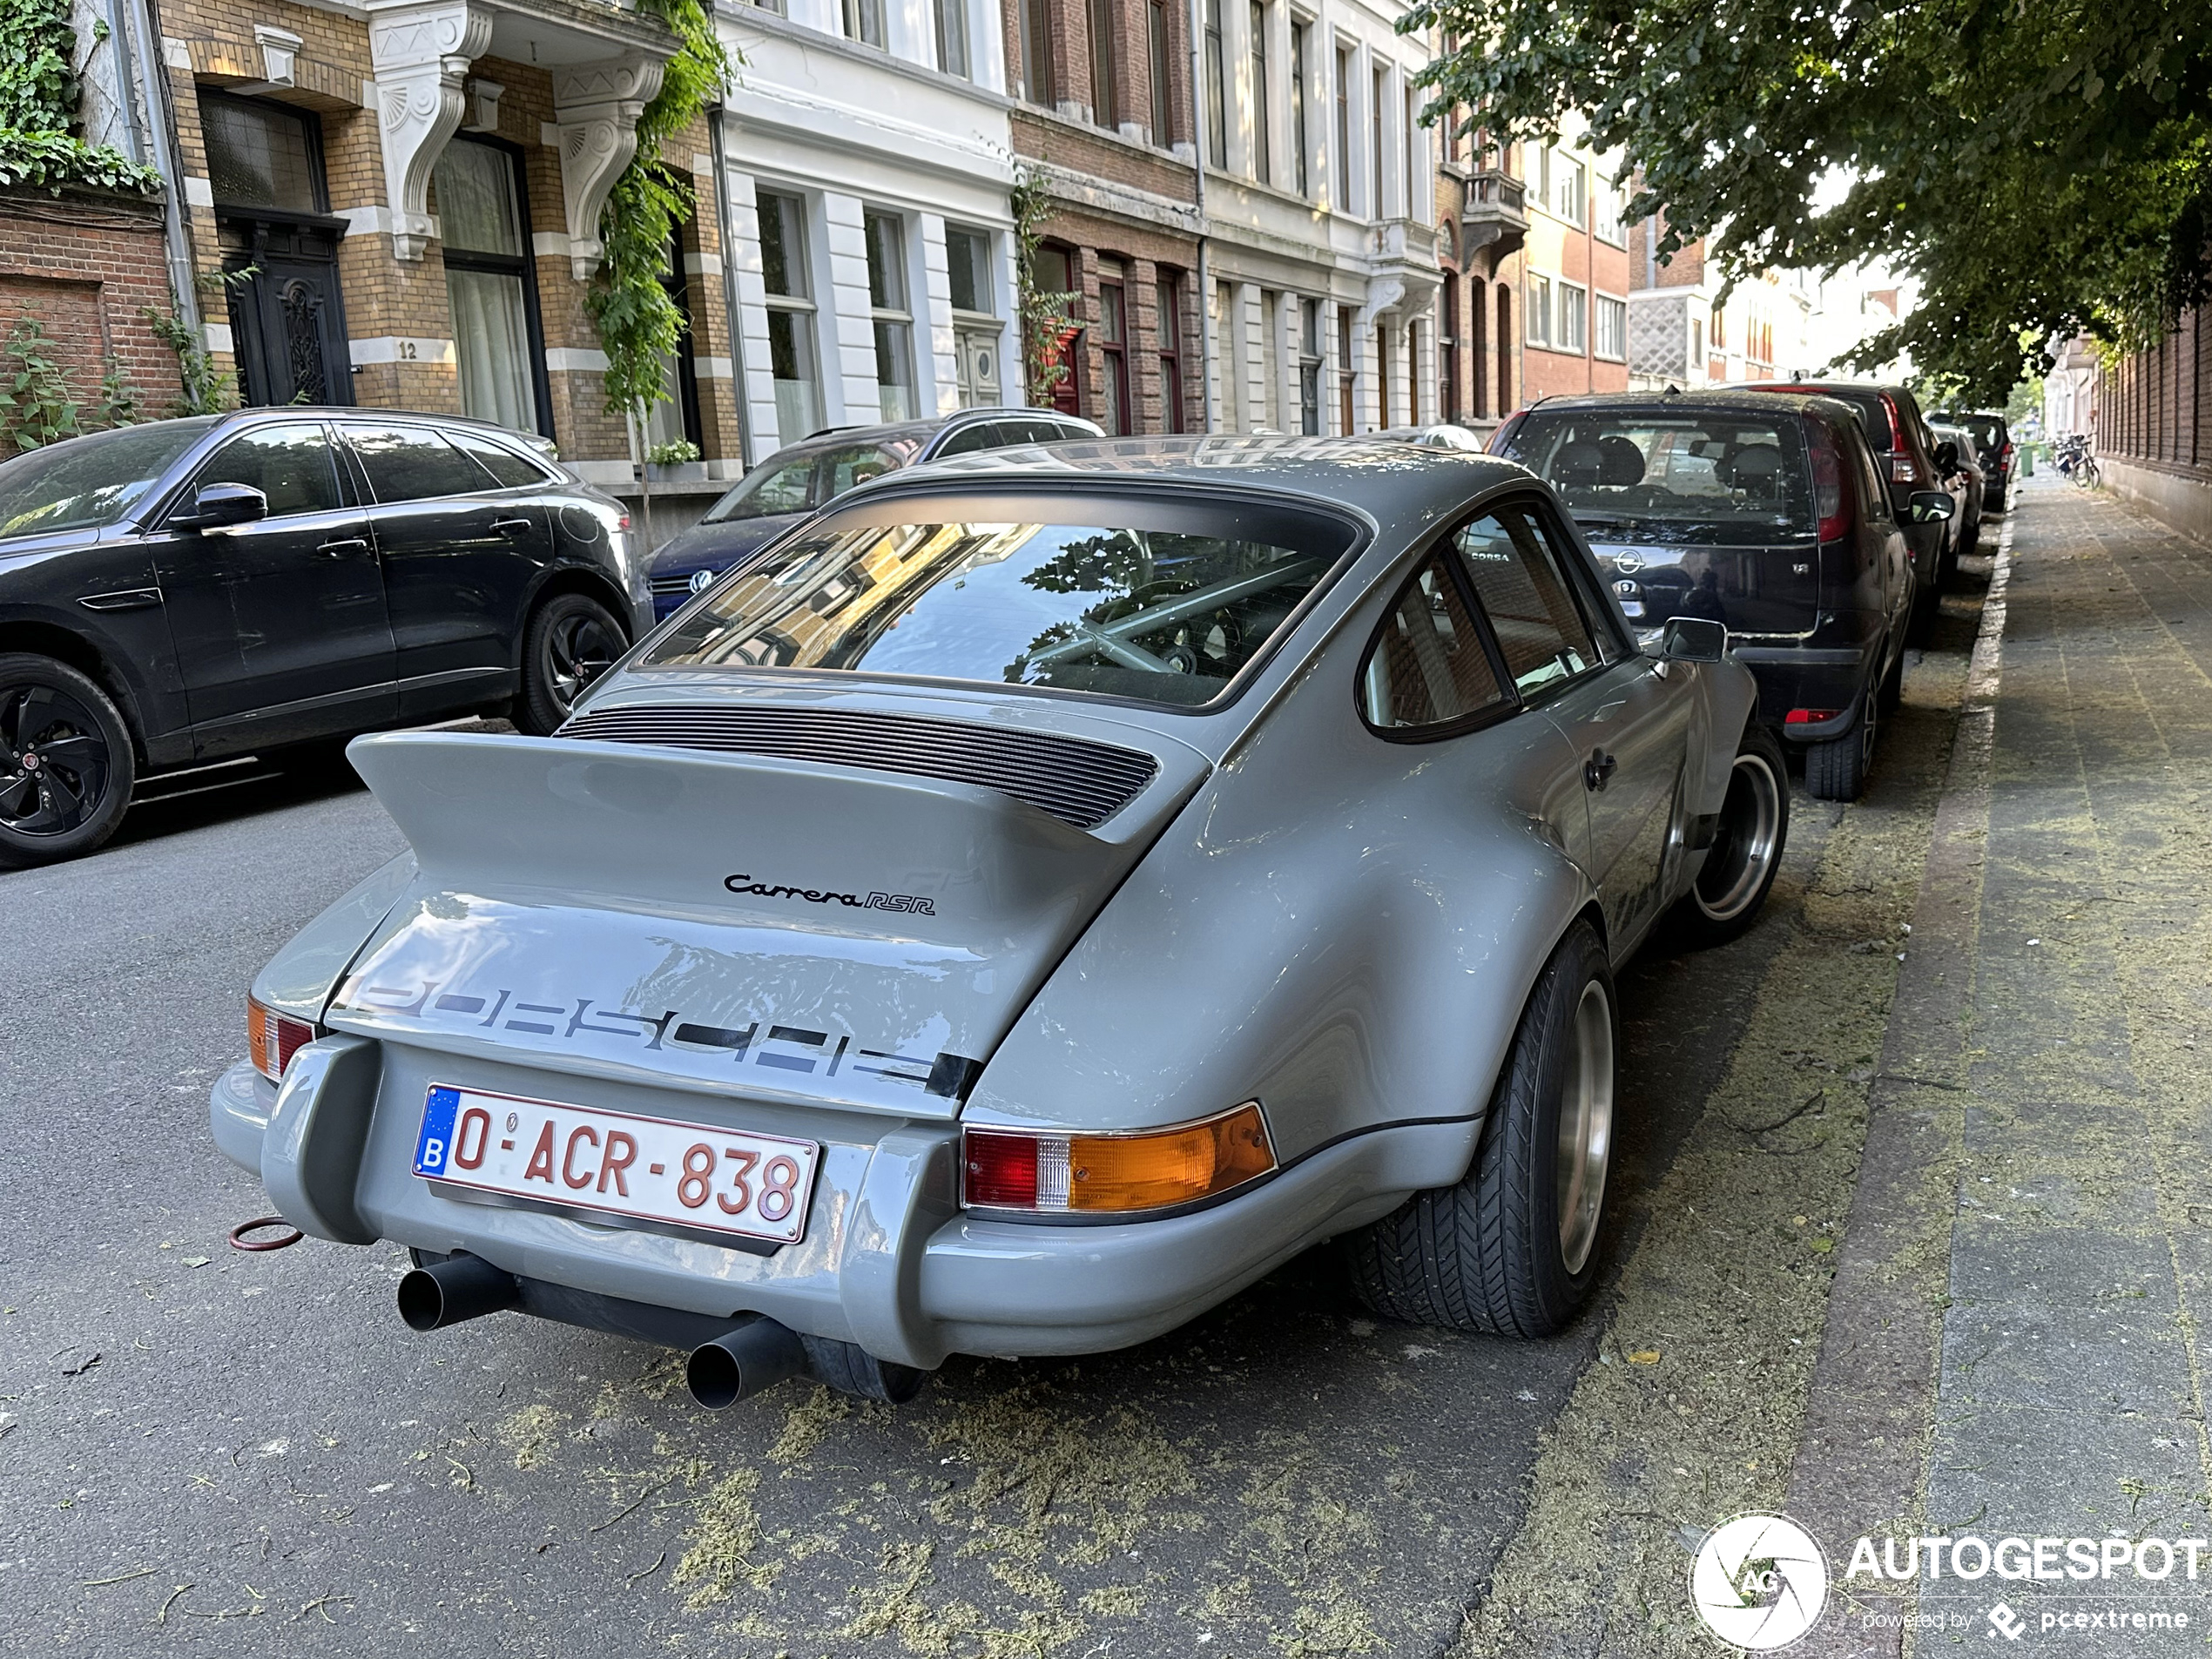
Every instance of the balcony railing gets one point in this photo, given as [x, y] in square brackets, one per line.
[1495, 220]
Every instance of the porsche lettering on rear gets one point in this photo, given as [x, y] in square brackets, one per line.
[904, 903]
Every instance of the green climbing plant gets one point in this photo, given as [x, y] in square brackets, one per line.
[1044, 313]
[35, 401]
[38, 94]
[638, 324]
[208, 390]
[118, 404]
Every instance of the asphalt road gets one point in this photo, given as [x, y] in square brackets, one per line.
[203, 1451]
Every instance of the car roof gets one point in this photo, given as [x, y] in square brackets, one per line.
[1388, 479]
[927, 427]
[1744, 398]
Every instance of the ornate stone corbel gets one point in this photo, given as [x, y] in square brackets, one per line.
[421, 52]
[596, 108]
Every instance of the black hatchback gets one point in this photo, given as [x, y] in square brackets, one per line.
[186, 591]
[1764, 512]
[802, 478]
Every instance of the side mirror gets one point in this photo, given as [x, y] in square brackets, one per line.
[1947, 458]
[218, 506]
[1929, 506]
[1696, 639]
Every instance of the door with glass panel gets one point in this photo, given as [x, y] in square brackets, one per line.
[491, 285]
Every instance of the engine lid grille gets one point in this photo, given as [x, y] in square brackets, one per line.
[1078, 780]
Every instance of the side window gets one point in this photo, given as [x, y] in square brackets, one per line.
[984, 435]
[848, 468]
[413, 464]
[499, 461]
[291, 465]
[1532, 608]
[1873, 494]
[1428, 666]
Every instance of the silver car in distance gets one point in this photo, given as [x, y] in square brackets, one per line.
[1029, 902]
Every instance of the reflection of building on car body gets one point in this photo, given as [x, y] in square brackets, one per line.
[1270, 816]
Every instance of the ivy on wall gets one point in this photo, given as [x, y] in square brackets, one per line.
[38, 93]
[638, 324]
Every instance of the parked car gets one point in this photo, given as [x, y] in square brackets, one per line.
[1906, 451]
[953, 991]
[1994, 445]
[1442, 435]
[183, 590]
[1955, 444]
[1766, 513]
[805, 477]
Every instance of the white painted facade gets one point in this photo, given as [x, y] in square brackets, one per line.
[1303, 258]
[850, 131]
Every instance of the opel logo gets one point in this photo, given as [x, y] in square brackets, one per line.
[1626, 564]
[702, 580]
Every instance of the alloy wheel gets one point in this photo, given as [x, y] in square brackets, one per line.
[1750, 838]
[579, 648]
[54, 764]
[1585, 1126]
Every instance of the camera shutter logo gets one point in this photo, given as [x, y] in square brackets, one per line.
[1759, 1581]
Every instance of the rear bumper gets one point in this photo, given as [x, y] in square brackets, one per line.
[1809, 678]
[889, 1261]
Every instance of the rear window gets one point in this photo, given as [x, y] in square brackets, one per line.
[805, 483]
[1153, 602]
[1988, 430]
[1721, 478]
[1873, 414]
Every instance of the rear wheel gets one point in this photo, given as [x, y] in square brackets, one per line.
[1739, 868]
[66, 766]
[1838, 769]
[570, 641]
[1511, 1248]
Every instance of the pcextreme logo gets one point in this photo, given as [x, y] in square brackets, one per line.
[1759, 1581]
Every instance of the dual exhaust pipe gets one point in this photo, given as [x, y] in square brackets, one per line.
[755, 1353]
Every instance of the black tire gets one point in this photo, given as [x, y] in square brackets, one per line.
[66, 765]
[570, 640]
[1892, 691]
[1487, 1253]
[1740, 866]
[1838, 769]
[850, 1369]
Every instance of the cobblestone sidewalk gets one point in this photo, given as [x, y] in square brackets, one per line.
[2012, 1348]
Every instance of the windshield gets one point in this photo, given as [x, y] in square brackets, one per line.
[89, 482]
[1988, 430]
[1720, 478]
[804, 484]
[1131, 610]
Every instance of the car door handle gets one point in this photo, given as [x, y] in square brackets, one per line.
[344, 547]
[1597, 769]
[513, 526]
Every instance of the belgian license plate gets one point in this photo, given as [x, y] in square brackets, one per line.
[652, 1170]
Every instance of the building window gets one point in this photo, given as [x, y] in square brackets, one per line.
[1262, 138]
[1160, 39]
[952, 37]
[1447, 346]
[1168, 329]
[1036, 52]
[674, 416]
[1574, 306]
[1270, 360]
[977, 333]
[1612, 328]
[864, 21]
[1301, 143]
[1540, 309]
[1346, 384]
[1216, 89]
[1113, 350]
[1607, 218]
[1382, 377]
[1418, 170]
[784, 269]
[259, 155]
[1478, 348]
[1696, 346]
[1570, 185]
[1342, 170]
[1377, 93]
[1230, 356]
[1105, 101]
[1308, 367]
[490, 285]
[1505, 355]
[1052, 270]
[892, 319]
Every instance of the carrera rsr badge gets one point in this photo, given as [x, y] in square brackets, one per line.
[908, 903]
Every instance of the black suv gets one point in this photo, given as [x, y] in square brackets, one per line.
[1992, 437]
[1768, 514]
[185, 590]
[802, 478]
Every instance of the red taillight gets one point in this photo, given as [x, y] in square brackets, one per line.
[1125, 1174]
[1002, 1170]
[1901, 470]
[1809, 716]
[271, 1039]
[1831, 500]
[622, 524]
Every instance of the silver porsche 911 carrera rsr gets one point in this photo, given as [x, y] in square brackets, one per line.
[1027, 904]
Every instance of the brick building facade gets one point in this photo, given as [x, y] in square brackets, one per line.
[87, 267]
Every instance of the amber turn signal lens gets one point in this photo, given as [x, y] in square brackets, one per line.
[271, 1039]
[1117, 1174]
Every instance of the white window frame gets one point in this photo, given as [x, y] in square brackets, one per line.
[1536, 305]
[1600, 299]
[803, 309]
[902, 318]
[1578, 346]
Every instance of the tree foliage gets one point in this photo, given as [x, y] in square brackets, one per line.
[2043, 167]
